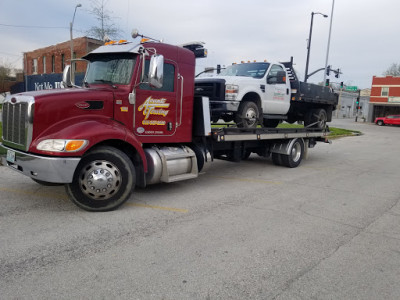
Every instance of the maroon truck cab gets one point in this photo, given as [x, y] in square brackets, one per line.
[131, 123]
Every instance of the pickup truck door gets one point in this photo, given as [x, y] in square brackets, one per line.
[277, 94]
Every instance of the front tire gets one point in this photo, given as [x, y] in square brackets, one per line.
[380, 123]
[248, 115]
[103, 180]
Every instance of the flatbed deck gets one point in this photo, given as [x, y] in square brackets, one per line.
[225, 134]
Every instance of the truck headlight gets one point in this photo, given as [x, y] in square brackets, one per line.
[58, 145]
[231, 91]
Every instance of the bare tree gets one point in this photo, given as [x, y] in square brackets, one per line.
[106, 28]
[5, 71]
[393, 70]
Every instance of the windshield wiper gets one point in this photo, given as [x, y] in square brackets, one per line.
[107, 82]
[104, 81]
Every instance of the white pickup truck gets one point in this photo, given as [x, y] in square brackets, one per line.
[266, 93]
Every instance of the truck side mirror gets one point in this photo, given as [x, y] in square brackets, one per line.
[281, 77]
[156, 71]
[66, 78]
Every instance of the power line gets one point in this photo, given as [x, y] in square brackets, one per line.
[34, 26]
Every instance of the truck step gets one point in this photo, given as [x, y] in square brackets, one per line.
[180, 177]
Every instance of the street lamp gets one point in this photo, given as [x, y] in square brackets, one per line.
[71, 24]
[329, 40]
[309, 42]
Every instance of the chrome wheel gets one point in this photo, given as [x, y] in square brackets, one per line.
[296, 152]
[100, 180]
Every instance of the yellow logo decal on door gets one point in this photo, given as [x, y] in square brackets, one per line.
[154, 107]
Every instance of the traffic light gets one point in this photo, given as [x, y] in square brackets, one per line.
[341, 84]
[328, 70]
[337, 73]
[358, 100]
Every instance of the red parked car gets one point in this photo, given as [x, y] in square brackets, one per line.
[388, 120]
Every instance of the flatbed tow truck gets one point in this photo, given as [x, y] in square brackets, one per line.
[134, 122]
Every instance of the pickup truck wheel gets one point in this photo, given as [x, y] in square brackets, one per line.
[247, 115]
[103, 180]
[317, 117]
[271, 123]
[380, 123]
[296, 154]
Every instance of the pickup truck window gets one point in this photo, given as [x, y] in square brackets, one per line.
[255, 70]
[110, 68]
[273, 73]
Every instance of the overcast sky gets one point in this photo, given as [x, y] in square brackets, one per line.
[365, 34]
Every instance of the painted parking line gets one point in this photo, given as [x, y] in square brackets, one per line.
[35, 193]
[65, 197]
[158, 207]
[247, 179]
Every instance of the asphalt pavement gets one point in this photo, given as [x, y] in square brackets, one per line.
[329, 229]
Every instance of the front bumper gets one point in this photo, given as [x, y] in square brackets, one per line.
[48, 169]
[220, 108]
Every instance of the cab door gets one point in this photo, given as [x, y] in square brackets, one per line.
[156, 109]
[277, 93]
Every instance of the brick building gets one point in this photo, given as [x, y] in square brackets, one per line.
[52, 59]
[385, 96]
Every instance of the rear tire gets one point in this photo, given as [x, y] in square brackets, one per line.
[296, 154]
[103, 180]
[317, 117]
[277, 159]
[247, 115]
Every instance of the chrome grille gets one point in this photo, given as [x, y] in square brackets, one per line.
[17, 125]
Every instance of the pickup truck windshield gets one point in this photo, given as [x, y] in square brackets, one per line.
[110, 68]
[255, 70]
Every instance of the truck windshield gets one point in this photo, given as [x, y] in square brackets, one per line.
[255, 70]
[110, 68]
